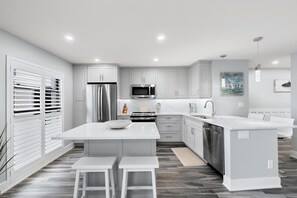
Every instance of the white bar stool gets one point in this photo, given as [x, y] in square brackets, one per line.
[138, 164]
[94, 165]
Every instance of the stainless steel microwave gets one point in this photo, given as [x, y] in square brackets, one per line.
[143, 91]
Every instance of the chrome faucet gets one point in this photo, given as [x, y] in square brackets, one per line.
[213, 108]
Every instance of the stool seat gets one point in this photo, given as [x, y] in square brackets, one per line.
[139, 162]
[94, 164]
[91, 163]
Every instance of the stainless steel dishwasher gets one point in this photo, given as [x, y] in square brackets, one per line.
[213, 146]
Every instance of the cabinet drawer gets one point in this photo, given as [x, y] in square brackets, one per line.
[169, 137]
[168, 118]
[168, 126]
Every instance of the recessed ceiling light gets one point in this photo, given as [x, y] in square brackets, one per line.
[156, 59]
[161, 37]
[69, 37]
[96, 59]
[275, 62]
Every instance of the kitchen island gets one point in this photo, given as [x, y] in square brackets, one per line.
[250, 156]
[138, 139]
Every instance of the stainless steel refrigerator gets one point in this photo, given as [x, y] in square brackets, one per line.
[101, 102]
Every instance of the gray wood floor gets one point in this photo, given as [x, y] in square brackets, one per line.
[173, 180]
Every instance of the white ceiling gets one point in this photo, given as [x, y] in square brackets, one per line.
[125, 31]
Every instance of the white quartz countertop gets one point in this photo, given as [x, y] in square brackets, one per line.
[100, 131]
[242, 123]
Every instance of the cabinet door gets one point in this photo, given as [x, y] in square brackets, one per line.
[161, 83]
[172, 83]
[182, 91]
[79, 82]
[79, 113]
[109, 74]
[198, 141]
[205, 81]
[137, 76]
[190, 137]
[94, 74]
[125, 82]
[194, 81]
[149, 76]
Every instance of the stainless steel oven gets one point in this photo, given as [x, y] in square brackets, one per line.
[143, 91]
[143, 117]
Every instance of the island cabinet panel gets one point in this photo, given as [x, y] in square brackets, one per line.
[169, 128]
[119, 149]
[193, 135]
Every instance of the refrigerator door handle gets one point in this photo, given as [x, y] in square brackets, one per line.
[101, 102]
[98, 103]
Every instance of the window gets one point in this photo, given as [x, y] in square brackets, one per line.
[35, 111]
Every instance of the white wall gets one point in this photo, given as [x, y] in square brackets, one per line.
[229, 105]
[262, 93]
[16, 47]
[294, 98]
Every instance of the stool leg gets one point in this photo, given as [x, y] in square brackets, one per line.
[84, 185]
[154, 183]
[124, 183]
[107, 184]
[112, 183]
[76, 184]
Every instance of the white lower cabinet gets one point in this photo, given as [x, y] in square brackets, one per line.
[169, 128]
[193, 135]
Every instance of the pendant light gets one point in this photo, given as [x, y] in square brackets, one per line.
[258, 65]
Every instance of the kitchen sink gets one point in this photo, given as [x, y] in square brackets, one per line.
[202, 116]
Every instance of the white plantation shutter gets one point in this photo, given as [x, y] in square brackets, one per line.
[27, 121]
[53, 113]
[36, 112]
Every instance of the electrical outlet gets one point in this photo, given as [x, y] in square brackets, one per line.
[243, 135]
[270, 164]
[240, 104]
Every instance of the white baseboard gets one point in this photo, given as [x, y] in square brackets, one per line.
[293, 154]
[28, 171]
[251, 184]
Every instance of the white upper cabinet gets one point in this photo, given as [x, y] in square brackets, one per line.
[200, 80]
[182, 91]
[194, 81]
[161, 83]
[143, 76]
[102, 74]
[79, 82]
[177, 83]
[205, 81]
[125, 82]
[171, 83]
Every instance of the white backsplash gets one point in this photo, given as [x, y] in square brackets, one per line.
[167, 105]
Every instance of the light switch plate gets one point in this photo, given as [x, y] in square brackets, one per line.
[270, 164]
[243, 135]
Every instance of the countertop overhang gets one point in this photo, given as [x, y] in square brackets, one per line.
[99, 131]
